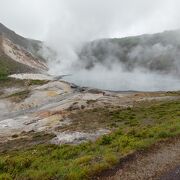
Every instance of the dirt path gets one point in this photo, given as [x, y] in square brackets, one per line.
[174, 174]
[161, 162]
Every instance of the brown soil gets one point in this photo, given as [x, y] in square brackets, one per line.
[173, 174]
[25, 140]
[159, 162]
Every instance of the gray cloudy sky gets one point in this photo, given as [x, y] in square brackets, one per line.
[76, 20]
[65, 24]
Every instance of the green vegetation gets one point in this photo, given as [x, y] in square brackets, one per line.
[19, 96]
[3, 73]
[25, 140]
[138, 128]
[173, 93]
[11, 82]
[9, 66]
[37, 82]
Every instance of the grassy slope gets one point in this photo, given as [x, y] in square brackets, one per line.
[139, 127]
[8, 66]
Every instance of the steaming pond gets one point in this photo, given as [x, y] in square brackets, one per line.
[136, 81]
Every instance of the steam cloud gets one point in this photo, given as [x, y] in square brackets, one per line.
[146, 63]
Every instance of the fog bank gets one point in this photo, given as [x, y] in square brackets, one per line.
[147, 63]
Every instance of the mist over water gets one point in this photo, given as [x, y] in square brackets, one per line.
[145, 63]
[117, 80]
[141, 63]
[110, 66]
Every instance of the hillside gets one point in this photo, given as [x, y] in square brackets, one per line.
[154, 52]
[18, 54]
[28, 44]
[9, 66]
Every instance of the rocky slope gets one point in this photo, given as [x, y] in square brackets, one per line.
[20, 50]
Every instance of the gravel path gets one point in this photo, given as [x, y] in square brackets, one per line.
[161, 162]
[174, 174]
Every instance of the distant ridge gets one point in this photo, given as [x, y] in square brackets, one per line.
[158, 52]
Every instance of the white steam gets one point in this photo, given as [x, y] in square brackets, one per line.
[118, 80]
[75, 23]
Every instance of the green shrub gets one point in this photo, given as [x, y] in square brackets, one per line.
[163, 134]
[5, 176]
[105, 140]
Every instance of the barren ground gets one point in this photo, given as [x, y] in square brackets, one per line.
[36, 112]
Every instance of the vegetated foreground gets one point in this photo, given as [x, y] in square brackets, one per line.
[35, 115]
[136, 122]
[135, 128]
